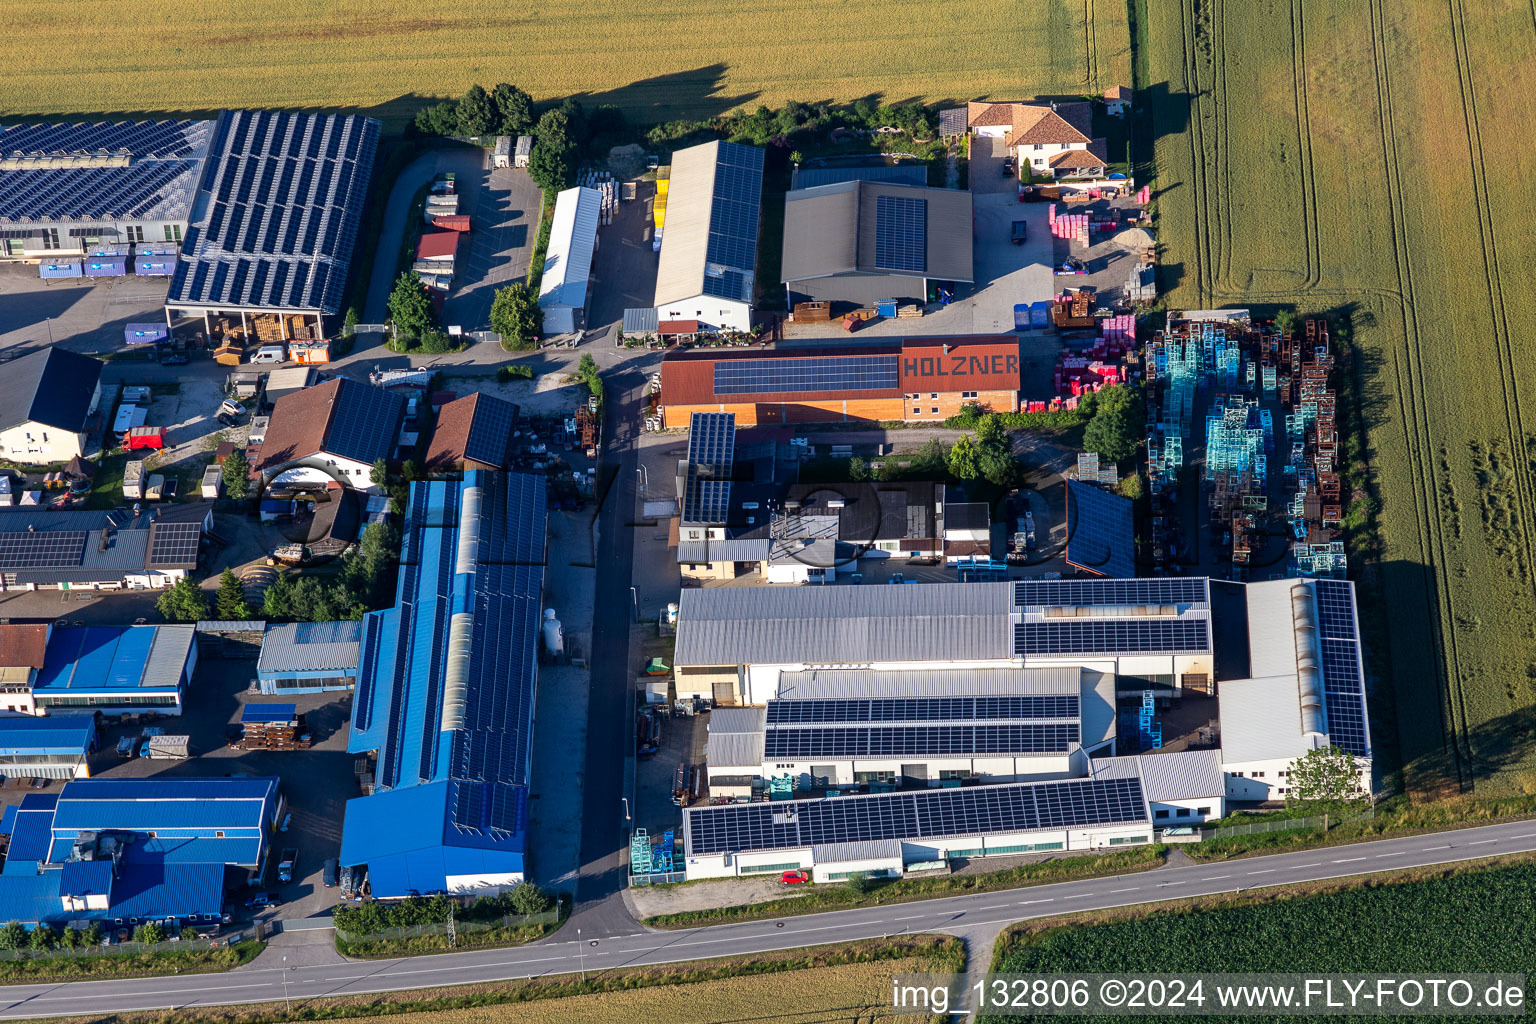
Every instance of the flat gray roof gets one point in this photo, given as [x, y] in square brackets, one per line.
[836, 684]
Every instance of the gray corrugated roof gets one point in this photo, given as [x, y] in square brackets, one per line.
[310, 647]
[1183, 775]
[712, 220]
[844, 625]
[840, 683]
[730, 549]
[640, 321]
[168, 655]
[1099, 718]
[735, 738]
[874, 849]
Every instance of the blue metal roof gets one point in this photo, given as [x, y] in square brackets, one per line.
[456, 730]
[165, 804]
[99, 658]
[61, 737]
[86, 877]
[30, 835]
[8, 820]
[269, 713]
[1101, 534]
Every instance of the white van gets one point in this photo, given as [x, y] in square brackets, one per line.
[270, 354]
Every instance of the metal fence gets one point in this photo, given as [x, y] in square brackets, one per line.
[370, 328]
[124, 948]
[460, 928]
[1290, 824]
[657, 878]
[483, 336]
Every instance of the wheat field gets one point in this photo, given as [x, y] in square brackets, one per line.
[1374, 158]
[658, 60]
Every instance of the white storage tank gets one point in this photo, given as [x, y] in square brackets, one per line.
[554, 633]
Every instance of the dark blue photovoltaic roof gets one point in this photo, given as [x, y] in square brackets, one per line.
[276, 223]
[107, 171]
[1101, 534]
[445, 688]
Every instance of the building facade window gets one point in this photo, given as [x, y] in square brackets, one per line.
[946, 774]
[50, 238]
[173, 232]
[135, 232]
[967, 394]
[1160, 814]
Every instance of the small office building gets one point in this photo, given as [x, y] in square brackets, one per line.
[308, 657]
[46, 748]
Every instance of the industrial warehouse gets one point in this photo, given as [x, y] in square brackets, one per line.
[1001, 717]
[916, 380]
[445, 692]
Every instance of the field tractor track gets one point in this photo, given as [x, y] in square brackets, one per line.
[1202, 251]
[1420, 446]
[1091, 48]
[1310, 223]
[1509, 389]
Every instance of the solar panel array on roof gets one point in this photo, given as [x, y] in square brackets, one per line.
[923, 814]
[901, 233]
[121, 170]
[358, 412]
[919, 709]
[733, 216]
[44, 549]
[1111, 636]
[490, 429]
[1343, 685]
[1059, 593]
[285, 195]
[711, 455]
[174, 543]
[802, 742]
[1101, 537]
[807, 374]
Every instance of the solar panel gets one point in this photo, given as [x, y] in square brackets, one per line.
[920, 709]
[901, 233]
[925, 814]
[174, 543]
[807, 374]
[1335, 608]
[1344, 696]
[490, 430]
[43, 549]
[1111, 636]
[1101, 536]
[711, 456]
[733, 215]
[1180, 590]
[863, 740]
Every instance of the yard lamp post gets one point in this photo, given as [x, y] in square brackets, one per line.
[581, 956]
[287, 1006]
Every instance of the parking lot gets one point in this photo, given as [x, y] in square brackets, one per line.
[86, 315]
[624, 267]
[503, 206]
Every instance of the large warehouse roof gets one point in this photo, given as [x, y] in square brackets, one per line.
[871, 227]
[275, 225]
[913, 815]
[709, 245]
[843, 625]
[912, 172]
[116, 657]
[445, 689]
[309, 646]
[104, 171]
[572, 238]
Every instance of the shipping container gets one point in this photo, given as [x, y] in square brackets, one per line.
[106, 266]
[145, 334]
[154, 266]
[53, 271]
[133, 480]
[451, 222]
[128, 417]
[213, 481]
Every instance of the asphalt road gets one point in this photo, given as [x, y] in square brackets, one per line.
[562, 955]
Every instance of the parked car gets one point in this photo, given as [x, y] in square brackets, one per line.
[328, 873]
[144, 749]
[125, 746]
[794, 877]
[173, 359]
[230, 407]
[262, 900]
[1020, 229]
[226, 420]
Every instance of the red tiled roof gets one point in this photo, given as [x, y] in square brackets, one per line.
[1117, 92]
[436, 245]
[667, 327]
[1076, 158]
[23, 645]
[1050, 129]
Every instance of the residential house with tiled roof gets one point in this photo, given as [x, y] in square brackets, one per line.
[23, 646]
[1050, 140]
[473, 432]
[331, 432]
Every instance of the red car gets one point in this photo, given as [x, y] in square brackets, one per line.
[794, 877]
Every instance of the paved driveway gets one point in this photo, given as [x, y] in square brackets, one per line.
[85, 315]
[503, 207]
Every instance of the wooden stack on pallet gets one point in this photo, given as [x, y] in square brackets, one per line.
[274, 735]
[811, 312]
[909, 311]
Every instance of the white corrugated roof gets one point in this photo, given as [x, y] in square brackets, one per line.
[856, 683]
[1098, 707]
[726, 549]
[568, 259]
[1271, 629]
[168, 655]
[1181, 775]
[1261, 718]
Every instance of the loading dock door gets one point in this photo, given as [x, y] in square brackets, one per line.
[914, 774]
[724, 693]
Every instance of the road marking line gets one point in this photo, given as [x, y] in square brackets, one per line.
[1266, 871]
[1311, 864]
[1347, 860]
[1028, 902]
[910, 917]
[1212, 878]
[1399, 853]
[1113, 891]
[1427, 849]
[1480, 842]
[1079, 896]
[1162, 884]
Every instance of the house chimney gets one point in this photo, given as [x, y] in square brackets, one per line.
[106, 537]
